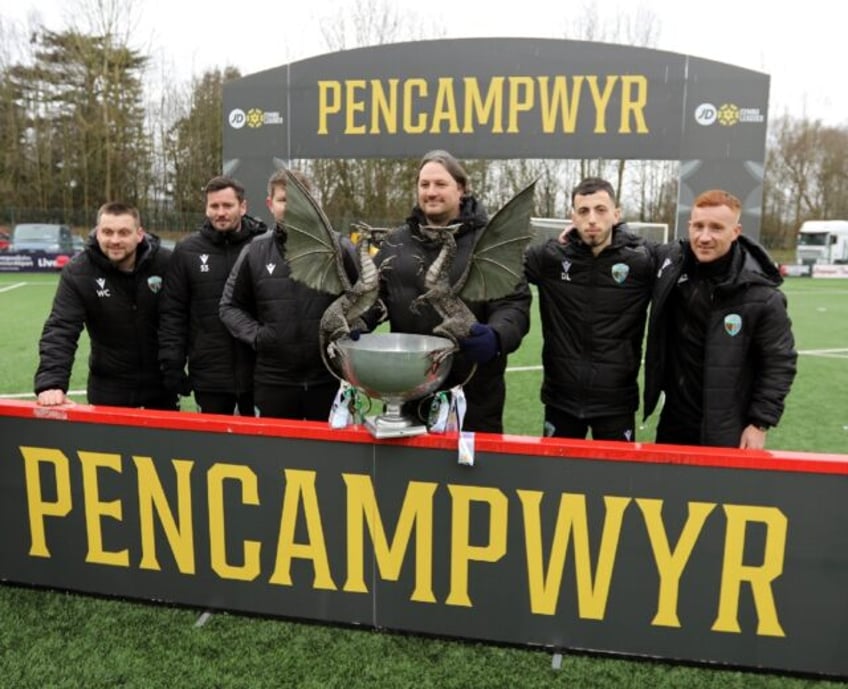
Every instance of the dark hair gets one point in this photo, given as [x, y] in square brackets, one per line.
[280, 179]
[450, 164]
[119, 208]
[592, 185]
[221, 182]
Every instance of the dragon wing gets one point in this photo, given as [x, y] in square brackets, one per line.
[497, 262]
[313, 250]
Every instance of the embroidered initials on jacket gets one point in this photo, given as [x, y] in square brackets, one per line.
[103, 290]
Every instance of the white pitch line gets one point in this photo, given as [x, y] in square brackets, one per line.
[8, 288]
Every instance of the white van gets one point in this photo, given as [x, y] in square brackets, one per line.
[822, 241]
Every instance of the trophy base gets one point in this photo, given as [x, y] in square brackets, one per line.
[393, 427]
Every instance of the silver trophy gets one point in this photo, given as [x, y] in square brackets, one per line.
[395, 368]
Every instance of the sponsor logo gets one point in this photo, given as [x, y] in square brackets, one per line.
[705, 114]
[237, 118]
[727, 115]
[253, 118]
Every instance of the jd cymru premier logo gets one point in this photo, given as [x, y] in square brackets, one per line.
[726, 115]
[253, 118]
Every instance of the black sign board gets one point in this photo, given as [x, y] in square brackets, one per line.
[704, 555]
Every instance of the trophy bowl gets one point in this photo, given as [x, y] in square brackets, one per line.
[395, 368]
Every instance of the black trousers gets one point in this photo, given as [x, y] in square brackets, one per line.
[559, 424]
[311, 403]
[225, 403]
[673, 430]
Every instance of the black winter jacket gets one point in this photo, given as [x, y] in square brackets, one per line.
[190, 328]
[277, 316]
[749, 350]
[120, 312]
[405, 254]
[593, 320]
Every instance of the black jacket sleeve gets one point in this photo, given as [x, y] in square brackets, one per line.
[234, 309]
[174, 315]
[59, 338]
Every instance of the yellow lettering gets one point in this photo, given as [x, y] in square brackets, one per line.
[385, 107]
[634, 98]
[601, 100]
[215, 478]
[557, 102]
[478, 109]
[329, 102]
[521, 97]
[354, 106]
[300, 492]
[96, 509]
[572, 518]
[760, 577]
[152, 500]
[38, 506]
[464, 105]
[444, 109]
[462, 552]
[410, 88]
[670, 564]
[416, 512]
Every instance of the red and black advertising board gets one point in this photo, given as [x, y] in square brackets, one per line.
[703, 555]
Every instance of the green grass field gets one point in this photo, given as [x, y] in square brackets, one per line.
[63, 640]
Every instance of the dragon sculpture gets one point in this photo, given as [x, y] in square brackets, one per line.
[315, 257]
[495, 268]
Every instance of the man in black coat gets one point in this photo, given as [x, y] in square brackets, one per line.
[112, 288]
[277, 317]
[406, 254]
[220, 369]
[720, 341]
[594, 283]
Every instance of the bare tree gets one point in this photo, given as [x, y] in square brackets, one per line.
[641, 27]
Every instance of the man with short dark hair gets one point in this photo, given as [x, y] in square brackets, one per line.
[220, 369]
[112, 288]
[720, 341]
[594, 284]
[279, 318]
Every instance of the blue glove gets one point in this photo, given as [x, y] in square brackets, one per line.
[482, 345]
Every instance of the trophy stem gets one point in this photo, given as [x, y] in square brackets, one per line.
[392, 423]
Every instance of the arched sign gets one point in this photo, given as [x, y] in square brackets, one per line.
[506, 98]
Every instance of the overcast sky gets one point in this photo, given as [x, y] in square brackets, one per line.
[803, 51]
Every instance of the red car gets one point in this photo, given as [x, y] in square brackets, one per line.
[4, 240]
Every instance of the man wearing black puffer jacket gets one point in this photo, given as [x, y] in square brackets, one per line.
[720, 341]
[444, 198]
[220, 369]
[594, 284]
[112, 288]
[278, 317]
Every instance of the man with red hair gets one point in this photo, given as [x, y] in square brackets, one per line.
[720, 341]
